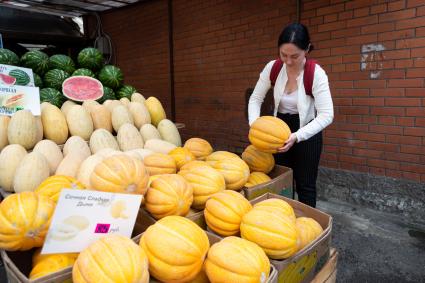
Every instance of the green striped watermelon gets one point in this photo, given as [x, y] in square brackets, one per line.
[8, 57]
[62, 62]
[108, 93]
[37, 80]
[21, 77]
[111, 76]
[83, 72]
[90, 58]
[36, 60]
[53, 96]
[126, 91]
[54, 78]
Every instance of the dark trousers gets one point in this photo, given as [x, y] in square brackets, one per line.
[303, 158]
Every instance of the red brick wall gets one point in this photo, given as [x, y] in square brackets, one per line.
[140, 36]
[372, 50]
[374, 53]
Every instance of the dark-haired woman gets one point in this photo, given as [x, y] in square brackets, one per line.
[306, 115]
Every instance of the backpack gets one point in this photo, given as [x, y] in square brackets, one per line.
[308, 76]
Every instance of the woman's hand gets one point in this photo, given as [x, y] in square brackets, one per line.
[288, 144]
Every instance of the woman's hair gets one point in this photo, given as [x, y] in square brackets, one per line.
[297, 34]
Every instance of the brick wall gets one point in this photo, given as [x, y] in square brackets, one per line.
[373, 52]
[140, 36]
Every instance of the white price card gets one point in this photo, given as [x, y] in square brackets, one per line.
[83, 216]
[15, 98]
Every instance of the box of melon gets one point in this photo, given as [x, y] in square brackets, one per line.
[281, 184]
[307, 262]
[19, 264]
[213, 238]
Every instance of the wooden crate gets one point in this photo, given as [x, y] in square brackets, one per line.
[328, 272]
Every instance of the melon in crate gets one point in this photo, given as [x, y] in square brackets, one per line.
[81, 88]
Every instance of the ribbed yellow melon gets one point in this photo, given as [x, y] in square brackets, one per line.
[308, 230]
[274, 232]
[268, 133]
[169, 194]
[199, 147]
[52, 186]
[24, 220]
[258, 161]
[237, 260]
[275, 204]
[256, 178]
[159, 163]
[224, 211]
[155, 109]
[205, 182]
[113, 258]
[22, 129]
[235, 172]
[216, 156]
[178, 236]
[48, 264]
[38, 257]
[86, 168]
[120, 174]
[182, 156]
[10, 158]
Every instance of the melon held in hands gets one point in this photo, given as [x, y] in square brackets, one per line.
[268, 133]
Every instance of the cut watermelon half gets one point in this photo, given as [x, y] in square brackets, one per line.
[7, 80]
[82, 88]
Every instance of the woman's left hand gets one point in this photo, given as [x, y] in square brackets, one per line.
[289, 143]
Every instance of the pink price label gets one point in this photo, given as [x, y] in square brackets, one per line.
[102, 228]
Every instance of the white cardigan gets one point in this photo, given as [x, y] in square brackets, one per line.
[322, 102]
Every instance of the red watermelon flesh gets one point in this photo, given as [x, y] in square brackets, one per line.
[81, 88]
[7, 80]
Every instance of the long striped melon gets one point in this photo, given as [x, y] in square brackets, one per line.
[66, 106]
[51, 152]
[10, 158]
[160, 146]
[137, 97]
[70, 164]
[33, 170]
[79, 122]
[169, 132]
[148, 132]
[101, 139]
[140, 114]
[55, 127]
[101, 117]
[39, 126]
[129, 137]
[4, 122]
[22, 129]
[76, 144]
[120, 116]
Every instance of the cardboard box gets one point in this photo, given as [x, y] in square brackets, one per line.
[281, 184]
[305, 264]
[18, 264]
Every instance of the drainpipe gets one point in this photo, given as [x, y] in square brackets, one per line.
[171, 60]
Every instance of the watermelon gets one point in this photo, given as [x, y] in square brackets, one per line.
[111, 76]
[81, 88]
[8, 57]
[62, 62]
[22, 78]
[126, 91]
[52, 95]
[54, 78]
[108, 93]
[83, 72]
[36, 60]
[37, 80]
[90, 58]
[7, 80]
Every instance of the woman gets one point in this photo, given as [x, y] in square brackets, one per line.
[306, 115]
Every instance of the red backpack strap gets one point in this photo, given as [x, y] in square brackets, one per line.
[277, 66]
[308, 76]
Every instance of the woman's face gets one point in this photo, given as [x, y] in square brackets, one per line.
[291, 55]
